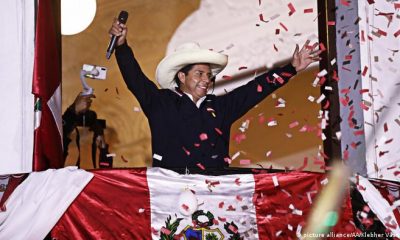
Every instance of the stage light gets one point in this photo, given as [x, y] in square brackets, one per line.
[76, 15]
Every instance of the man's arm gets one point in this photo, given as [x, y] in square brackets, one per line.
[137, 82]
[242, 99]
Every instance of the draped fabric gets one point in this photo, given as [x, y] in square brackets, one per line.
[46, 86]
[38, 202]
[149, 204]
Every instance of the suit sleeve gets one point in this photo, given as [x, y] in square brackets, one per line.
[137, 82]
[242, 99]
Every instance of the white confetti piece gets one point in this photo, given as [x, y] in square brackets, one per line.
[321, 98]
[157, 157]
[235, 155]
[324, 181]
[275, 180]
[111, 155]
[311, 98]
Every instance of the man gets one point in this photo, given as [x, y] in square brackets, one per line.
[190, 128]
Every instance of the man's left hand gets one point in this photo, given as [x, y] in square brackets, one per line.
[307, 55]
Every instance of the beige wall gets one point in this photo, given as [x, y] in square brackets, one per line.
[151, 25]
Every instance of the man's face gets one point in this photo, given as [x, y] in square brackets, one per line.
[197, 81]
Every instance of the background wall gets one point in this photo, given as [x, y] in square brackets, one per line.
[151, 27]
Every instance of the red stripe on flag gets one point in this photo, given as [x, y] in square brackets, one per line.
[46, 79]
[114, 205]
[292, 190]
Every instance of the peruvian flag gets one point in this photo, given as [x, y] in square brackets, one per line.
[156, 203]
[46, 87]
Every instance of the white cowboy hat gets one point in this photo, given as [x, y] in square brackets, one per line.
[188, 53]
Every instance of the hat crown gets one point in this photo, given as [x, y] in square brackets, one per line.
[188, 46]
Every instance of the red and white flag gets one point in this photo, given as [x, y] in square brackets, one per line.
[46, 87]
[156, 203]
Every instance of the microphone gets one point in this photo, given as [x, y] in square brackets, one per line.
[123, 16]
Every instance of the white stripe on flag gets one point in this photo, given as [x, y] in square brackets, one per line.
[222, 196]
[54, 104]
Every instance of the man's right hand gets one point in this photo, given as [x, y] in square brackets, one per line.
[82, 103]
[120, 30]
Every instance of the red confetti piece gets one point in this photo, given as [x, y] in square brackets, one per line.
[345, 3]
[259, 88]
[212, 183]
[322, 47]
[124, 159]
[231, 208]
[226, 77]
[237, 181]
[305, 163]
[275, 48]
[364, 107]
[382, 33]
[283, 26]
[262, 18]
[228, 160]
[245, 162]
[365, 71]
[203, 136]
[396, 34]
[327, 104]
[242, 68]
[105, 90]
[165, 231]
[385, 127]
[292, 9]
[358, 133]
[116, 90]
[286, 74]
[186, 207]
[186, 151]
[331, 23]
[233, 228]
[371, 2]
[221, 204]
[277, 31]
[218, 131]
[222, 219]
[308, 10]
[154, 231]
[201, 166]
[396, 5]
[239, 198]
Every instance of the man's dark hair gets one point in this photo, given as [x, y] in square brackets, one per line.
[186, 70]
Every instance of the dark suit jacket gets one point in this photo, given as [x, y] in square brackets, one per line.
[187, 136]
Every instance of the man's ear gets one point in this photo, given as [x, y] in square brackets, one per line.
[181, 76]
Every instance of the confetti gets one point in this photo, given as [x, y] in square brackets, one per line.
[292, 9]
[294, 124]
[203, 136]
[283, 26]
[157, 157]
[261, 16]
[244, 162]
[235, 155]
[111, 155]
[275, 181]
[308, 10]
[200, 166]
[242, 68]
[186, 151]
[124, 159]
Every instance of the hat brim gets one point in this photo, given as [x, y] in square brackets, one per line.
[171, 64]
